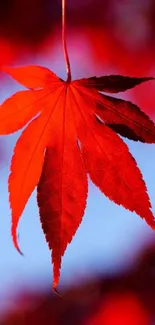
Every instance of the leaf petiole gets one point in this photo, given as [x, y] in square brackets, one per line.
[64, 44]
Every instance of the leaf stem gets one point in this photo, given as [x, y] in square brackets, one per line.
[64, 44]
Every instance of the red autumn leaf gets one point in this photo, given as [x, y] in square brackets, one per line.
[110, 164]
[62, 143]
[33, 77]
[122, 116]
[113, 83]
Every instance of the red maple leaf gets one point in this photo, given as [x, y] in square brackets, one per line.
[71, 131]
[64, 141]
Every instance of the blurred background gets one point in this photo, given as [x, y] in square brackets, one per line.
[108, 271]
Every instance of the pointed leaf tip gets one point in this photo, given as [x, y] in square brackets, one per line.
[15, 240]
[56, 291]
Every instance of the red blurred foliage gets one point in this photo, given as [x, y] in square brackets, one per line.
[121, 309]
[125, 299]
[120, 34]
